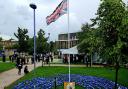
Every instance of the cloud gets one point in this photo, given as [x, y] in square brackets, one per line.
[24, 12]
[17, 13]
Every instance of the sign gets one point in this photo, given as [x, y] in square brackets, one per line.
[69, 85]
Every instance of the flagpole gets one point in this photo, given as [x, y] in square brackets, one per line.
[53, 17]
[68, 37]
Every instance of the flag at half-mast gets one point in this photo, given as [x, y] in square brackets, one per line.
[59, 11]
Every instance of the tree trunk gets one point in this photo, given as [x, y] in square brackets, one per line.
[91, 61]
[116, 75]
[87, 63]
[42, 61]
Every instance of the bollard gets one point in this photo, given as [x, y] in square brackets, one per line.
[55, 83]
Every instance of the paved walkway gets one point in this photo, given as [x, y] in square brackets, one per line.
[10, 76]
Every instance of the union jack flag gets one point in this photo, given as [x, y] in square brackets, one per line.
[59, 11]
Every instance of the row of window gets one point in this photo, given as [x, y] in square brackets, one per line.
[64, 44]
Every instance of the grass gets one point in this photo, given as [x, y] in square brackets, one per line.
[100, 72]
[7, 59]
[6, 66]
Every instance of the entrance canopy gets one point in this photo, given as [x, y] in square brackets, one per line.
[72, 50]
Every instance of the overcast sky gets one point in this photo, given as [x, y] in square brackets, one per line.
[17, 13]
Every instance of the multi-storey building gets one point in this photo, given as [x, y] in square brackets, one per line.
[63, 43]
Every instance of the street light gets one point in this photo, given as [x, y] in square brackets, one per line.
[33, 6]
[49, 37]
[49, 41]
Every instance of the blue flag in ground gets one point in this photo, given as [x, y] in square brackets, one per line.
[59, 11]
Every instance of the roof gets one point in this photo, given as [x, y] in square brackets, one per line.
[72, 50]
[6, 37]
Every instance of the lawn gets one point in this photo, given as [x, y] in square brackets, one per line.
[6, 66]
[99, 72]
[7, 59]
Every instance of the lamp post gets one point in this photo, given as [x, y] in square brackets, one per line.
[49, 37]
[49, 42]
[33, 6]
[49, 46]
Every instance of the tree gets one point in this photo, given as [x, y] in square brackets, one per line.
[41, 42]
[22, 37]
[1, 46]
[110, 37]
[112, 21]
[52, 46]
[31, 46]
[0, 39]
[15, 46]
[89, 41]
[83, 36]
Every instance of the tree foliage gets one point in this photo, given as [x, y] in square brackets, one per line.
[89, 39]
[41, 42]
[22, 37]
[1, 46]
[110, 19]
[52, 46]
[0, 39]
[31, 46]
[109, 33]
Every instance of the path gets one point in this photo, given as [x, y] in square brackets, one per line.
[10, 76]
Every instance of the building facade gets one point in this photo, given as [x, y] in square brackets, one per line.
[63, 43]
[6, 47]
[7, 42]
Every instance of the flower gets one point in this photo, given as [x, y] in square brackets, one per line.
[88, 82]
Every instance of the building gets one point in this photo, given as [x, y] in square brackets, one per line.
[62, 46]
[7, 42]
[62, 42]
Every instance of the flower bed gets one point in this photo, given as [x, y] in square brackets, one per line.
[87, 82]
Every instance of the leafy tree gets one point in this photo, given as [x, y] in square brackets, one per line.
[1, 46]
[112, 21]
[41, 42]
[15, 46]
[83, 36]
[52, 46]
[89, 40]
[108, 33]
[22, 39]
[0, 39]
[31, 46]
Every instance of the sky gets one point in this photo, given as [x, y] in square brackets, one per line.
[17, 13]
